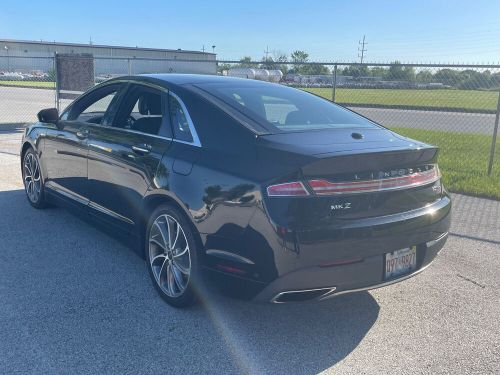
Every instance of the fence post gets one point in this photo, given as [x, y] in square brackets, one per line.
[56, 99]
[57, 80]
[129, 67]
[334, 88]
[494, 139]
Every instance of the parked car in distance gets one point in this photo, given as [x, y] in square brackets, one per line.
[288, 196]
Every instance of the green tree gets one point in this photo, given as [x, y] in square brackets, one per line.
[356, 71]
[280, 59]
[299, 57]
[51, 75]
[449, 77]
[425, 76]
[315, 69]
[478, 80]
[245, 62]
[398, 72]
[378, 71]
[222, 67]
[267, 63]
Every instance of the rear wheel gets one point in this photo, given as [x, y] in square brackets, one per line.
[32, 178]
[171, 255]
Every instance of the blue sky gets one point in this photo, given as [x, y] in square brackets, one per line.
[409, 31]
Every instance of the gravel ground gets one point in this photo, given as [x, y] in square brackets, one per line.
[75, 300]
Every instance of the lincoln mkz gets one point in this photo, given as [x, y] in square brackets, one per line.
[281, 195]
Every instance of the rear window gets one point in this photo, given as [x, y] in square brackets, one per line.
[283, 108]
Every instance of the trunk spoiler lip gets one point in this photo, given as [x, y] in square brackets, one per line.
[378, 150]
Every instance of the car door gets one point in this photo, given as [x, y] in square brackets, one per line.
[66, 146]
[124, 155]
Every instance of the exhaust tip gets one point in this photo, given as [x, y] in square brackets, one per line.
[302, 295]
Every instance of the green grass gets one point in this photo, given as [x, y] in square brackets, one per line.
[463, 99]
[463, 160]
[44, 84]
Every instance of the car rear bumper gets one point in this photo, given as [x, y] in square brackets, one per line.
[319, 283]
[320, 271]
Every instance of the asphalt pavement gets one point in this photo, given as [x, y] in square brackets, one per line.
[472, 123]
[74, 300]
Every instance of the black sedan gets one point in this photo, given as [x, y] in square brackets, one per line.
[281, 195]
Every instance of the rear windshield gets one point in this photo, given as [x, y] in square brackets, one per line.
[283, 108]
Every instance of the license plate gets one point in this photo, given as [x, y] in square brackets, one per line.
[400, 262]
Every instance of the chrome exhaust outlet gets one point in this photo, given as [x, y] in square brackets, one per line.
[302, 295]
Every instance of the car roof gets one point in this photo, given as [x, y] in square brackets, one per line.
[190, 79]
[181, 79]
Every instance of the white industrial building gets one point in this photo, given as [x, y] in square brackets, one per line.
[28, 56]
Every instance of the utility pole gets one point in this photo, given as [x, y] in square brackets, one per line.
[362, 49]
[266, 51]
[203, 48]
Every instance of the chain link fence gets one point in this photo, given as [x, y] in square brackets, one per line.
[455, 107]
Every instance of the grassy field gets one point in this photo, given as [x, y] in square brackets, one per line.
[463, 99]
[28, 84]
[463, 160]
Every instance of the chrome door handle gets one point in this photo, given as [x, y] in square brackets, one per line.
[82, 134]
[142, 149]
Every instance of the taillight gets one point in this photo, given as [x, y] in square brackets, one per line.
[324, 187]
[289, 189]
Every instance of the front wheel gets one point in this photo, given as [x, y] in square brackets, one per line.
[32, 178]
[171, 256]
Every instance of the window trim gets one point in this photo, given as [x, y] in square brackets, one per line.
[196, 140]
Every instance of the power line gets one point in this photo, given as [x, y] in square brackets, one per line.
[362, 50]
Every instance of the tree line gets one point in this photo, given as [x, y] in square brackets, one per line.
[463, 79]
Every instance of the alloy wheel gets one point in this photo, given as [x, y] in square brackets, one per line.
[32, 180]
[169, 255]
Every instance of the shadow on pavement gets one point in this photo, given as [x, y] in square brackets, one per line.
[77, 300]
[474, 238]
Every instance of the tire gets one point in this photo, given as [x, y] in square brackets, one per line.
[32, 179]
[172, 259]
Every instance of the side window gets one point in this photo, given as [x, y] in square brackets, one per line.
[93, 106]
[179, 120]
[142, 110]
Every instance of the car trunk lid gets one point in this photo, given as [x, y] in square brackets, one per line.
[354, 173]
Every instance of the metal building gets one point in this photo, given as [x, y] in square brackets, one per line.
[26, 56]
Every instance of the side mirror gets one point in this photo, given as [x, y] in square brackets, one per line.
[49, 115]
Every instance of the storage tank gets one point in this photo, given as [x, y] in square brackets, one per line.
[242, 73]
[275, 75]
[260, 74]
